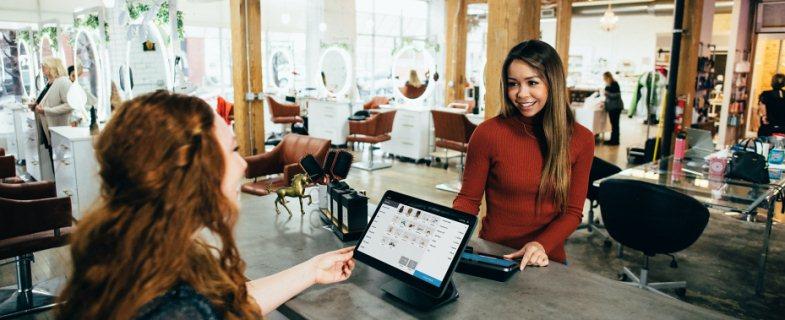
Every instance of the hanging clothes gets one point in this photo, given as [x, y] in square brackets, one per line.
[647, 88]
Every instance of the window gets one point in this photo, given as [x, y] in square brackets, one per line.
[209, 63]
[382, 27]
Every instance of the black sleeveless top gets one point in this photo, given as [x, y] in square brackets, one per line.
[775, 106]
[180, 302]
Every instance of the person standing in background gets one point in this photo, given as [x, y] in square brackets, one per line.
[613, 105]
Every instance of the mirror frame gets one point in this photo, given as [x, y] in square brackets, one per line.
[165, 55]
[31, 58]
[287, 53]
[429, 62]
[99, 69]
[347, 59]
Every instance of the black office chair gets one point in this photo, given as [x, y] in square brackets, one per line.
[599, 169]
[652, 219]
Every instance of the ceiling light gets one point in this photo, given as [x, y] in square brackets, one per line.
[608, 20]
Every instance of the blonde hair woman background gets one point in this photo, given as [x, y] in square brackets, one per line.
[51, 108]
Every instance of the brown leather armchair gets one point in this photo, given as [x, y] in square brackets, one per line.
[37, 222]
[284, 158]
[374, 129]
[7, 165]
[452, 131]
[375, 102]
[284, 113]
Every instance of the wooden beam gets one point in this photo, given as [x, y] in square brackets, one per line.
[688, 57]
[509, 23]
[475, 1]
[563, 24]
[248, 116]
[455, 42]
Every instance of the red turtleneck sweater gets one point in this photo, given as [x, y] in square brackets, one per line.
[504, 162]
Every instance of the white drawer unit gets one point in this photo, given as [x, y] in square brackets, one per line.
[411, 133]
[21, 129]
[329, 120]
[31, 148]
[76, 168]
[7, 131]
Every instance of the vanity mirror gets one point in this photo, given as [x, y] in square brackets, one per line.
[281, 66]
[89, 70]
[412, 73]
[335, 71]
[27, 63]
[148, 63]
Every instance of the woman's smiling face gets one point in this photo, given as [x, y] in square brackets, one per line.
[526, 88]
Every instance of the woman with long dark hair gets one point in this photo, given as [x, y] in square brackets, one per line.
[531, 161]
[613, 105]
[170, 174]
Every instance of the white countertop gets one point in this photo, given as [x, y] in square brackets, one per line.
[72, 133]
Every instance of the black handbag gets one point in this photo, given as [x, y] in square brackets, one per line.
[749, 165]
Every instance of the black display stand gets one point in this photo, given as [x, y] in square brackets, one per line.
[417, 298]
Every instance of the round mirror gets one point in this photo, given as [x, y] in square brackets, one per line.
[335, 71]
[281, 67]
[87, 69]
[412, 71]
[148, 62]
[26, 62]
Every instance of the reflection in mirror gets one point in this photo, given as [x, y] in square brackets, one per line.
[412, 72]
[335, 71]
[26, 61]
[281, 67]
[45, 50]
[86, 69]
[147, 59]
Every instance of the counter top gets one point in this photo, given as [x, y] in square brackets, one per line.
[72, 133]
[270, 243]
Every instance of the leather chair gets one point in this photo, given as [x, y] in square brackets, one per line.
[37, 222]
[452, 131]
[652, 219]
[465, 105]
[284, 113]
[599, 169]
[375, 102]
[373, 130]
[285, 159]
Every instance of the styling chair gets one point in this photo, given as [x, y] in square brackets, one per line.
[654, 220]
[375, 102]
[452, 131]
[283, 162]
[599, 169]
[375, 129]
[284, 113]
[34, 219]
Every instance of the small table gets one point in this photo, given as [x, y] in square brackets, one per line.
[691, 177]
[270, 243]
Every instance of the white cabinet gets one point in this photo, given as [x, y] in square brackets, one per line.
[411, 132]
[76, 168]
[7, 129]
[31, 148]
[329, 120]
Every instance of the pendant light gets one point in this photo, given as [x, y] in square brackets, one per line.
[609, 19]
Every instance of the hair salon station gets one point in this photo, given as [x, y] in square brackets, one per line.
[338, 101]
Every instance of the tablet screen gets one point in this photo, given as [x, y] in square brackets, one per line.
[418, 242]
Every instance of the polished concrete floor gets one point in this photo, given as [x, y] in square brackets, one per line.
[720, 267]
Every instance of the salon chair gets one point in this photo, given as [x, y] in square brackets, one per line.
[452, 131]
[373, 130]
[465, 105]
[652, 219]
[39, 221]
[282, 162]
[284, 113]
[599, 169]
[375, 102]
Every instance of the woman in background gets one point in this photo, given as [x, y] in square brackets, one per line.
[613, 105]
[52, 108]
[772, 108]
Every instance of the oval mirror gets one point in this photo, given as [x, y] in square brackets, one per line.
[46, 49]
[26, 62]
[335, 71]
[87, 69]
[412, 71]
[281, 68]
[149, 67]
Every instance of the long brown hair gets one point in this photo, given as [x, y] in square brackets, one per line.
[161, 171]
[557, 118]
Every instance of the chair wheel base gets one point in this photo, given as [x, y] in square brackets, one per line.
[16, 304]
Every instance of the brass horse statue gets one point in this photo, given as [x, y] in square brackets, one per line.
[295, 189]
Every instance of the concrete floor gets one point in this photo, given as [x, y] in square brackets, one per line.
[719, 267]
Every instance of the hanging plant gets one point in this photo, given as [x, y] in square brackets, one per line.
[343, 45]
[92, 23]
[136, 10]
[24, 36]
[52, 33]
[407, 41]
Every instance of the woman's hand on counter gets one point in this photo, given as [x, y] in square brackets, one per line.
[532, 254]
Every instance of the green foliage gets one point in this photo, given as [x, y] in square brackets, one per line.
[52, 33]
[136, 10]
